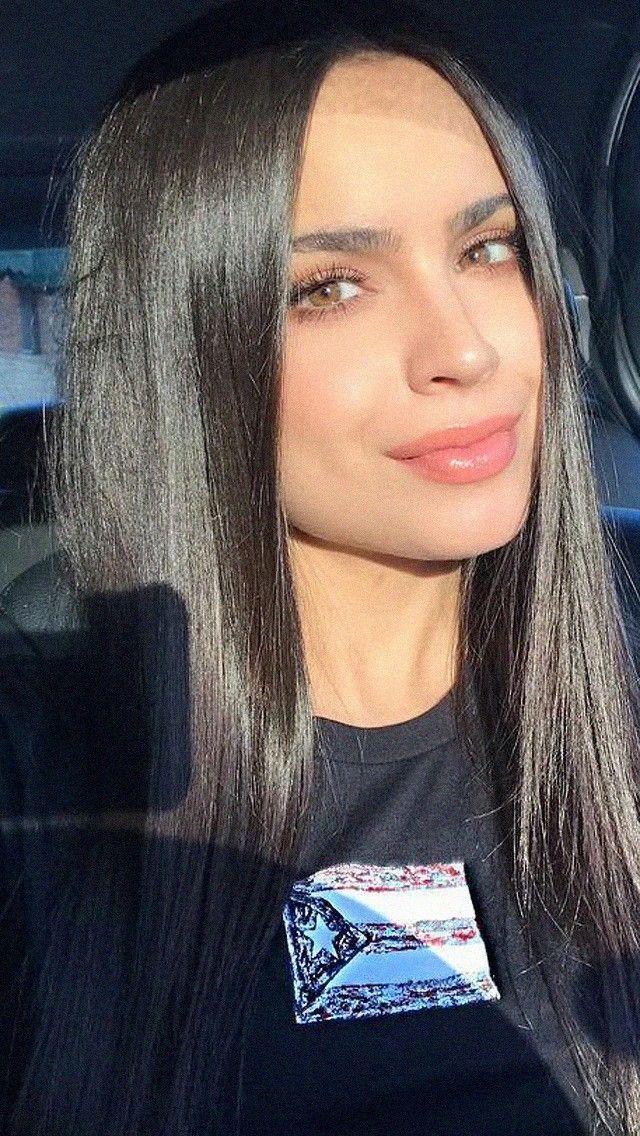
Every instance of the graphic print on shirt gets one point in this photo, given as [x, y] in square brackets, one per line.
[367, 940]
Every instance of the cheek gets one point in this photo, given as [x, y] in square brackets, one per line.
[308, 405]
[320, 406]
[516, 332]
[326, 406]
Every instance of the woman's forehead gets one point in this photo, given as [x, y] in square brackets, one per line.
[357, 162]
[394, 87]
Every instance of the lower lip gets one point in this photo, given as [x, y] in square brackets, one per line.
[460, 465]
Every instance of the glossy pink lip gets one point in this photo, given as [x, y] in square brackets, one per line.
[456, 436]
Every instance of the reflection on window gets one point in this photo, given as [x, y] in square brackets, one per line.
[29, 327]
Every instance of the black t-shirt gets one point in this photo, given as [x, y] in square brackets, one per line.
[398, 996]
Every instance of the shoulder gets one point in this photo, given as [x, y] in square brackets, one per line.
[623, 525]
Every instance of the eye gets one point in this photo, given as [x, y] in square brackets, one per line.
[324, 278]
[506, 248]
[512, 240]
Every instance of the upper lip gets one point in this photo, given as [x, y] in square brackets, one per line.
[455, 436]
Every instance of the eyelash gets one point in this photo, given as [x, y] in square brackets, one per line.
[336, 272]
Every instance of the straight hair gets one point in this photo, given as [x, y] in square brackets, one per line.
[162, 476]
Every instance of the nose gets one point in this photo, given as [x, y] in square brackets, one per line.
[448, 343]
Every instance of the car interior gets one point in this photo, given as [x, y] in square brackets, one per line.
[571, 69]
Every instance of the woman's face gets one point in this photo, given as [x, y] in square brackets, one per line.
[427, 337]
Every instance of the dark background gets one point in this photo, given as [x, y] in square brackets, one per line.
[61, 63]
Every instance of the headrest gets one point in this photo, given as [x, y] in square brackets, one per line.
[38, 610]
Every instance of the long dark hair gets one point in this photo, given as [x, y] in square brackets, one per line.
[162, 471]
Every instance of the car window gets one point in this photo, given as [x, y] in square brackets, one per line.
[30, 336]
[29, 327]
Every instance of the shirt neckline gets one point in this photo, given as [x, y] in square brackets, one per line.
[375, 744]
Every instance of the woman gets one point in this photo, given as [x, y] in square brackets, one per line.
[388, 709]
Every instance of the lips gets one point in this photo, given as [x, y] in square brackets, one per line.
[455, 436]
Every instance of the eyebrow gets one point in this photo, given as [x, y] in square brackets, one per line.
[390, 240]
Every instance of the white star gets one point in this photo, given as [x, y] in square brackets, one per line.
[321, 937]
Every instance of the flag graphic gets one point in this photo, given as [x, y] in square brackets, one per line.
[366, 940]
